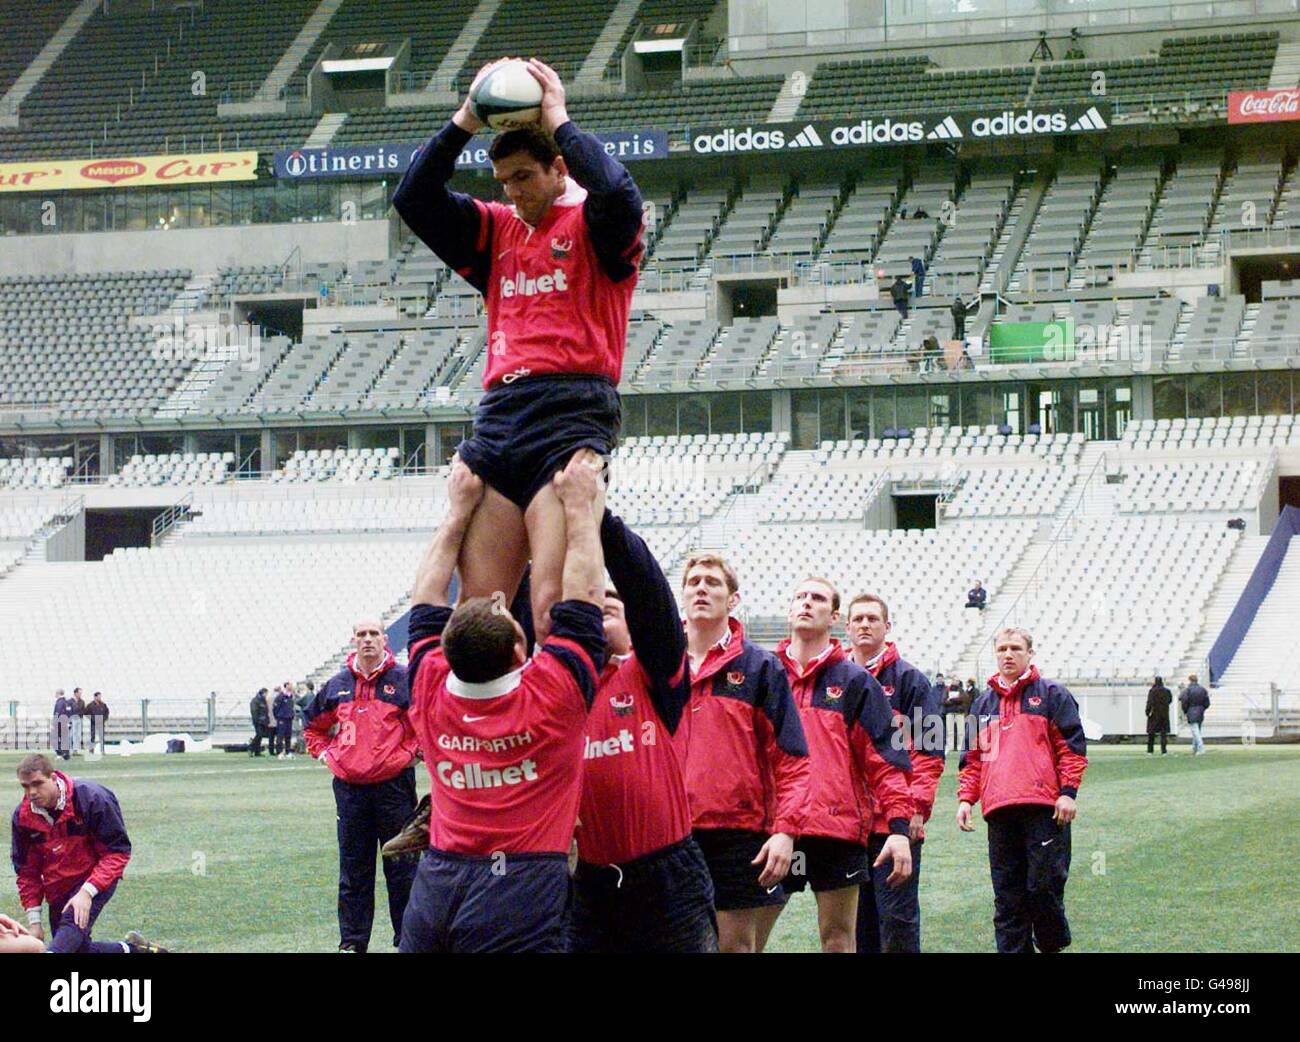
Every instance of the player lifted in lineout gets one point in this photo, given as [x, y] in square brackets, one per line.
[556, 269]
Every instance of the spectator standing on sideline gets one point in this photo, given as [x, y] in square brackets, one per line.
[300, 723]
[261, 716]
[97, 713]
[976, 596]
[899, 294]
[1158, 702]
[283, 710]
[972, 692]
[959, 312]
[61, 726]
[918, 275]
[78, 724]
[1195, 700]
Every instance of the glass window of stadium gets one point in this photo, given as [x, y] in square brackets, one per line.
[83, 451]
[1270, 393]
[449, 436]
[285, 443]
[246, 446]
[658, 415]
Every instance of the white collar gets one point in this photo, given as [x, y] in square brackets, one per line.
[487, 689]
[573, 195]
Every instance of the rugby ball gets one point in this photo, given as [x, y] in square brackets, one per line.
[508, 97]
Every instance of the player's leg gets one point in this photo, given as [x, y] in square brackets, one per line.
[395, 803]
[837, 916]
[1047, 851]
[495, 550]
[547, 540]
[738, 929]
[20, 943]
[357, 840]
[1009, 869]
[434, 898]
[766, 921]
[67, 938]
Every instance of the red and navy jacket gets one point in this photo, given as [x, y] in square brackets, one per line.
[375, 740]
[56, 853]
[860, 765]
[558, 295]
[505, 756]
[1029, 747]
[634, 781]
[919, 711]
[747, 764]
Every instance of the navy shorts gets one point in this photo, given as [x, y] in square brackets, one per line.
[506, 903]
[728, 853]
[527, 430]
[826, 864]
[662, 902]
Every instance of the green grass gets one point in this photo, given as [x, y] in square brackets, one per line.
[1170, 854]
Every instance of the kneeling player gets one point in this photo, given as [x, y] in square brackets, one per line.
[556, 270]
[502, 737]
[69, 848]
[858, 761]
[641, 883]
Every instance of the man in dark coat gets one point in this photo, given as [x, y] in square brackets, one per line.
[959, 312]
[1159, 700]
[1195, 700]
[61, 726]
[97, 716]
[899, 294]
[260, 712]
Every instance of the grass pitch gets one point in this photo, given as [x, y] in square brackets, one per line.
[1170, 854]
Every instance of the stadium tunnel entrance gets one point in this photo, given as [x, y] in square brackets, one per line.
[1250, 271]
[109, 529]
[915, 510]
[277, 317]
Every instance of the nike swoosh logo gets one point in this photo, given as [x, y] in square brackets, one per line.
[1047, 841]
[503, 253]
[696, 709]
[850, 875]
[472, 719]
[774, 889]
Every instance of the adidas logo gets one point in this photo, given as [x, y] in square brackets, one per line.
[945, 131]
[1090, 120]
[807, 138]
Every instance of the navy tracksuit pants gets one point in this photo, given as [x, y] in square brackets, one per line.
[889, 919]
[66, 937]
[368, 817]
[1029, 857]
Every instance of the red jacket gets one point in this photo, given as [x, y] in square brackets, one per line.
[53, 856]
[919, 714]
[747, 761]
[375, 740]
[1029, 747]
[859, 760]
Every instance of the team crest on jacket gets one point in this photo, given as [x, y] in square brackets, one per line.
[735, 679]
[389, 689]
[1035, 700]
[833, 693]
[889, 691]
[624, 705]
[560, 248]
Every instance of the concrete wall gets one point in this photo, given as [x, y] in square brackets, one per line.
[199, 249]
[69, 542]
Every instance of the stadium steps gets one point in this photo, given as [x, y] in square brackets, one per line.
[1083, 500]
[976, 659]
[279, 77]
[989, 278]
[1272, 634]
[789, 98]
[470, 34]
[1286, 67]
[323, 133]
[602, 51]
[1179, 336]
[1241, 346]
[1236, 573]
[31, 76]
[1015, 234]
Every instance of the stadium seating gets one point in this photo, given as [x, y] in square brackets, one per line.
[658, 12]
[1011, 491]
[954, 444]
[1190, 486]
[1201, 434]
[563, 36]
[348, 466]
[26, 26]
[45, 472]
[1186, 204]
[67, 343]
[1056, 236]
[188, 468]
[1120, 221]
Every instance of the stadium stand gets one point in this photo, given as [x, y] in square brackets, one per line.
[47, 472]
[653, 13]
[188, 468]
[1183, 213]
[564, 36]
[26, 26]
[1057, 233]
[348, 466]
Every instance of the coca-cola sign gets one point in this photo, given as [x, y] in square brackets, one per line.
[1263, 106]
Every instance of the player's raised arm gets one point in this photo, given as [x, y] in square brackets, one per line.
[653, 620]
[613, 207]
[577, 485]
[453, 225]
[433, 579]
